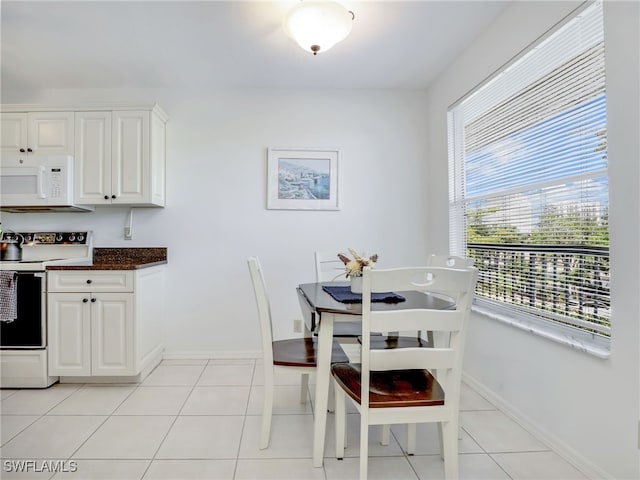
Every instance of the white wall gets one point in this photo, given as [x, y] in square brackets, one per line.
[392, 203]
[216, 196]
[588, 407]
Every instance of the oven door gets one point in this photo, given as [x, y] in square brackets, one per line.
[29, 329]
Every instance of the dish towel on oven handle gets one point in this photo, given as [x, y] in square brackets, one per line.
[8, 296]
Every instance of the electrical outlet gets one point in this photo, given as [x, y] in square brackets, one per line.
[297, 326]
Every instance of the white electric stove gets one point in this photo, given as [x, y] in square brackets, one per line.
[23, 341]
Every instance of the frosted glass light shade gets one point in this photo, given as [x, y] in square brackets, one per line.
[318, 25]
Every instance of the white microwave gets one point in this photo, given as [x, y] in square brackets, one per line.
[37, 183]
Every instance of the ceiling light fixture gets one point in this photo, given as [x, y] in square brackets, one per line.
[318, 25]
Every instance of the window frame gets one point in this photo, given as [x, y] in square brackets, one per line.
[504, 312]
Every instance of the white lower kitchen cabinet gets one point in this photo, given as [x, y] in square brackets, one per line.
[104, 323]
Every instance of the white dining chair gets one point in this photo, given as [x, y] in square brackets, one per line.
[282, 356]
[399, 340]
[397, 385]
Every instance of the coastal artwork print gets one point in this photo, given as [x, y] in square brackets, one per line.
[302, 179]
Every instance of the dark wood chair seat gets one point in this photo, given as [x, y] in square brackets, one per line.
[301, 352]
[394, 388]
[392, 341]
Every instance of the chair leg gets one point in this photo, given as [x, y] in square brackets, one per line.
[450, 448]
[341, 420]
[304, 388]
[267, 410]
[411, 439]
[385, 434]
[364, 446]
[331, 405]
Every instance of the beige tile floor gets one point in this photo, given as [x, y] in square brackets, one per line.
[201, 420]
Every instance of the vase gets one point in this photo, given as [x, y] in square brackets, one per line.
[356, 284]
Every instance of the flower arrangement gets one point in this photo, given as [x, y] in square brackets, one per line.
[353, 268]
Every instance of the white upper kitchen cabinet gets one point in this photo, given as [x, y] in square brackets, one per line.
[92, 167]
[120, 157]
[41, 133]
[119, 151]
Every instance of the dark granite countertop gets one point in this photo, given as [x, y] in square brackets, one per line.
[120, 259]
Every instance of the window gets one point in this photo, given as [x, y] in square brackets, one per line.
[529, 185]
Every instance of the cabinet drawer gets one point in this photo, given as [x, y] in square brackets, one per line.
[90, 281]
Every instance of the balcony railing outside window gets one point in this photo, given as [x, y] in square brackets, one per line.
[568, 284]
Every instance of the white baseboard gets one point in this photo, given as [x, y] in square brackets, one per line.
[588, 468]
[212, 355]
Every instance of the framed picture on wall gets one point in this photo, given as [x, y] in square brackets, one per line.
[302, 179]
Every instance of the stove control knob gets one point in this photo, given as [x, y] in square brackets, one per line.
[72, 237]
[80, 237]
[27, 238]
[58, 238]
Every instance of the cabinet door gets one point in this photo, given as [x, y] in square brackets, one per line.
[130, 160]
[51, 133]
[13, 130]
[112, 333]
[69, 331]
[93, 157]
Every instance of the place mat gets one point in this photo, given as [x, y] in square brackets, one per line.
[345, 295]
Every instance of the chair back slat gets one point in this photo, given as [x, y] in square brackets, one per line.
[264, 308]
[412, 358]
[449, 261]
[400, 320]
[447, 281]
[329, 268]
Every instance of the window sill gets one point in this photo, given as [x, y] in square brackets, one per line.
[567, 336]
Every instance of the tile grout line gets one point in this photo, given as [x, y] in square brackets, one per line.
[405, 453]
[107, 417]
[39, 416]
[244, 420]
[153, 457]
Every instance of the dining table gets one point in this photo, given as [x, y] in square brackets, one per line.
[321, 311]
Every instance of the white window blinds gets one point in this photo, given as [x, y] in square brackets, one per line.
[528, 180]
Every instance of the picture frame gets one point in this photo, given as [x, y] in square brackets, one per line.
[302, 179]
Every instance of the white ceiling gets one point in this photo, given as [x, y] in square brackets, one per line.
[147, 44]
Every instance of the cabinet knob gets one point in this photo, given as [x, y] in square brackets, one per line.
[29, 150]
[85, 300]
[89, 281]
[22, 150]
[106, 197]
[93, 300]
[113, 196]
